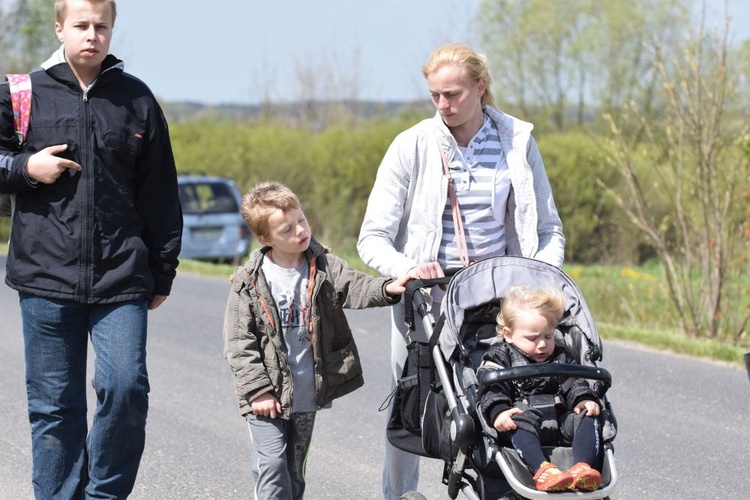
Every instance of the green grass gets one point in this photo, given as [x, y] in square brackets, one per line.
[625, 295]
[206, 268]
[675, 343]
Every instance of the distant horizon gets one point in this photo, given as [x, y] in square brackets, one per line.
[426, 100]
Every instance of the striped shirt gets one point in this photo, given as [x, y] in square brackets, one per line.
[482, 182]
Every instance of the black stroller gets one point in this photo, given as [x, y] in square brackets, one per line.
[450, 426]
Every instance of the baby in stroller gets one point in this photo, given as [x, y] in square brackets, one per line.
[517, 409]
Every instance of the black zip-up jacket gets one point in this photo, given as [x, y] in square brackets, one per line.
[503, 396]
[112, 231]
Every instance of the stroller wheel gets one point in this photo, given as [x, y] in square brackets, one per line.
[412, 495]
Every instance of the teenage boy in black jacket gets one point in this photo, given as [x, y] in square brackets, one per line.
[94, 245]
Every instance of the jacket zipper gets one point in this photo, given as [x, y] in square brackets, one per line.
[87, 180]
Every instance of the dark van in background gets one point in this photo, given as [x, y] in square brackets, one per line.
[213, 228]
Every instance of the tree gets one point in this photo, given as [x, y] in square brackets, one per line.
[328, 86]
[27, 35]
[693, 160]
[555, 61]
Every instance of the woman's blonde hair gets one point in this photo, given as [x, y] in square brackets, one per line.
[262, 200]
[550, 303]
[462, 55]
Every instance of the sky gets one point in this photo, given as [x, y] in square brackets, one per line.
[248, 51]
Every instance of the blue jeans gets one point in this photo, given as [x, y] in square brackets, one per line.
[68, 461]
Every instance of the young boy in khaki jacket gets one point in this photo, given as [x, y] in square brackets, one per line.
[286, 337]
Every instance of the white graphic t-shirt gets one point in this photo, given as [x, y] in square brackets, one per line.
[289, 289]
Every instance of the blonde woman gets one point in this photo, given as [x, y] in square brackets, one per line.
[502, 195]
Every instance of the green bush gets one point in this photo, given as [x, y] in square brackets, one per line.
[332, 170]
[593, 227]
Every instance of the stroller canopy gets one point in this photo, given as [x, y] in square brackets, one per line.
[490, 279]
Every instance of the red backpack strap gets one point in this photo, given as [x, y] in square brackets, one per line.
[20, 96]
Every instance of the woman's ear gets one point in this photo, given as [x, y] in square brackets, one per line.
[481, 87]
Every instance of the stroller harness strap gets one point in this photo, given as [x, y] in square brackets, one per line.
[547, 405]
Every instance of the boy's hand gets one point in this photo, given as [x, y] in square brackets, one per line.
[43, 166]
[504, 422]
[590, 407]
[397, 287]
[156, 301]
[266, 405]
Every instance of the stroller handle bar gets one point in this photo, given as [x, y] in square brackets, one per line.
[416, 300]
[490, 376]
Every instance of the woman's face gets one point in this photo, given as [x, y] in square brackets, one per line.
[455, 95]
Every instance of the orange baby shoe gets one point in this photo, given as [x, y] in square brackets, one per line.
[550, 478]
[584, 477]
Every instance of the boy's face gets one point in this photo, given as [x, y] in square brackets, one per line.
[532, 334]
[288, 232]
[86, 33]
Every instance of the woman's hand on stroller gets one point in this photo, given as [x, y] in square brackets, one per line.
[590, 407]
[427, 271]
[266, 405]
[504, 420]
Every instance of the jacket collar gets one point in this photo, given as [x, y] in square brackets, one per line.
[551, 359]
[313, 252]
[507, 126]
[57, 67]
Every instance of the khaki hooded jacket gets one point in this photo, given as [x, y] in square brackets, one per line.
[254, 342]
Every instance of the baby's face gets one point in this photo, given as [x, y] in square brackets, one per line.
[532, 334]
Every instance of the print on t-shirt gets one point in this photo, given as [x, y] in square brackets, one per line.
[289, 288]
[293, 316]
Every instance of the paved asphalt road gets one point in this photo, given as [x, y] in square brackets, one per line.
[684, 425]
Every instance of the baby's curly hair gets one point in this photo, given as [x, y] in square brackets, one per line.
[550, 303]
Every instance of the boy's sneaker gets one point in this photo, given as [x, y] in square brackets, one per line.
[550, 478]
[584, 477]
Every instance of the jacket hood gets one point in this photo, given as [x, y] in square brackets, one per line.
[507, 125]
[57, 66]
